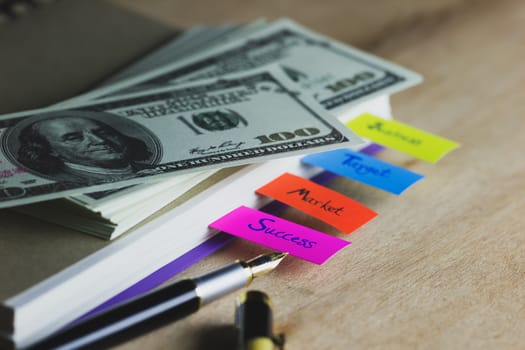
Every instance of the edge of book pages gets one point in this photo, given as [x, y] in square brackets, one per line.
[36, 312]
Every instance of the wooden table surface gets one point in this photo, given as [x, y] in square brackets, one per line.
[443, 265]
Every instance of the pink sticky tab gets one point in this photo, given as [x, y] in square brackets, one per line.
[281, 235]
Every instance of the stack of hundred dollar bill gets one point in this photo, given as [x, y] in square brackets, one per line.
[213, 99]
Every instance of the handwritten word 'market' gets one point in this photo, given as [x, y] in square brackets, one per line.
[379, 126]
[325, 205]
[355, 162]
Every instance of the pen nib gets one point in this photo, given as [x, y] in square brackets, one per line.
[263, 264]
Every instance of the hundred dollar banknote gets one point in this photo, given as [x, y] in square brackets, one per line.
[334, 74]
[129, 139]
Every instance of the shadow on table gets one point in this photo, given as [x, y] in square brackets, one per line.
[216, 337]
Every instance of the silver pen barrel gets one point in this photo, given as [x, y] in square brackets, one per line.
[240, 274]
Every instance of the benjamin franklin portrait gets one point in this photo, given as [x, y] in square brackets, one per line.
[82, 146]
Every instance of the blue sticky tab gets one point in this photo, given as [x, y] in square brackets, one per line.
[360, 167]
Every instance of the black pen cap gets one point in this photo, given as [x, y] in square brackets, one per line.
[253, 319]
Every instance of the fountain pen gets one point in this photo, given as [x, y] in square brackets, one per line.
[159, 307]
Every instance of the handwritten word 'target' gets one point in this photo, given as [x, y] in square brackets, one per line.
[323, 203]
[365, 169]
[279, 234]
[356, 162]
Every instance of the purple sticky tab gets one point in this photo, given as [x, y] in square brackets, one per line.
[281, 235]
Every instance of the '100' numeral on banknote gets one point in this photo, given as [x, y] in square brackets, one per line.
[125, 140]
[335, 75]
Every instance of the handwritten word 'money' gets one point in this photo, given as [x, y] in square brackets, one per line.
[355, 162]
[304, 193]
[262, 227]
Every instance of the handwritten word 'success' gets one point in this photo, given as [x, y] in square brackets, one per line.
[261, 226]
[279, 234]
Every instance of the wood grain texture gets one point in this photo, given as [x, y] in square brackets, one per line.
[443, 265]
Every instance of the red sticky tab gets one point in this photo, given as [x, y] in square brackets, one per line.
[335, 209]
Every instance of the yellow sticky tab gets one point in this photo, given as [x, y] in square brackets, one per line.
[404, 138]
